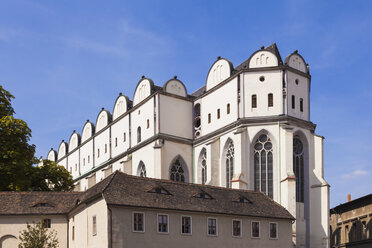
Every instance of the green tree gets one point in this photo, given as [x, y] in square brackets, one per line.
[18, 170]
[38, 236]
[51, 177]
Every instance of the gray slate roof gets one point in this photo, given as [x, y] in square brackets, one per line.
[125, 190]
[37, 202]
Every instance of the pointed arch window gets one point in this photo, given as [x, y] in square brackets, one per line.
[141, 170]
[298, 168]
[263, 165]
[229, 164]
[203, 166]
[177, 172]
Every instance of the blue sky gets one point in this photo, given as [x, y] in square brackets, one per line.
[64, 60]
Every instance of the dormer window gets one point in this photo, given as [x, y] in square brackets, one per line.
[42, 204]
[158, 190]
[242, 199]
[202, 195]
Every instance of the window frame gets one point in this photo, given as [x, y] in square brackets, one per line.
[241, 228]
[270, 100]
[157, 221]
[144, 221]
[259, 229]
[187, 216]
[212, 235]
[47, 223]
[209, 118]
[218, 113]
[228, 109]
[277, 230]
[254, 101]
[94, 225]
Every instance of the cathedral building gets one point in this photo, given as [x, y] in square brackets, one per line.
[248, 128]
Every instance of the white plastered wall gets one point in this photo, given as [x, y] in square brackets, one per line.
[73, 163]
[139, 118]
[86, 154]
[300, 90]
[14, 224]
[218, 99]
[147, 156]
[175, 116]
[117, 132]
[253, 86]
[82, 220]
[219, 72]
[263, 59]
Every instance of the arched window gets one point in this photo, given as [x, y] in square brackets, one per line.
[229, 163]
[141, 171]
[270, 100]
[254, 101]
[138, 134]
[263, 165]
[177, 172]
[298, 168]
[203, 166]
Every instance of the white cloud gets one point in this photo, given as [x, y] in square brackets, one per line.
[354, 174]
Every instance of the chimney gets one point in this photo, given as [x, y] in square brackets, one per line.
[348, 197]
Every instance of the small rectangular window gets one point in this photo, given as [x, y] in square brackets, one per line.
[237, 228]
[116, 142]
[105, 148]
[138, 222]
[218, 114]
[125, 137]
[254, 101]
[88, 158]
[47, 223]
[94, 226]
[301, 105]
[273, 230]
[228, 108]
[75, 167]
[255, 231]
[209, 118]
[148, 123]
[186, 225]
[162, 223]
[293, 102]
[73, 233]
[270, 99]
[98, 153]
[83, 161]
[212, 226]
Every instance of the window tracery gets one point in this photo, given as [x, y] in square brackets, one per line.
[298, 168]
[177, 172]
[263, 165]
[229, 164]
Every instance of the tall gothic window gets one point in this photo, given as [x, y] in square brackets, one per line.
[141, 170]
[298, 168]
[229, 164]
[177, 172]
[203, 166]
[263, 165]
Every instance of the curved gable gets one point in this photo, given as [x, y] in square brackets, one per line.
[103, 119]
[52, 155]
[88, 131]
[220, 70]
[121, 106]
[263, 58]
[74, 141]
[144, 89]
[176, 87]
[296, 61]
[62, 150]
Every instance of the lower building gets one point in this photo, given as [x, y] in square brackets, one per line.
[124, 210]
[351, 223]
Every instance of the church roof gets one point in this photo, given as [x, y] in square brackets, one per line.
[125, 190]
[37, 202]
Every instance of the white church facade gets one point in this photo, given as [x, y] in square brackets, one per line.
[248, 128]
